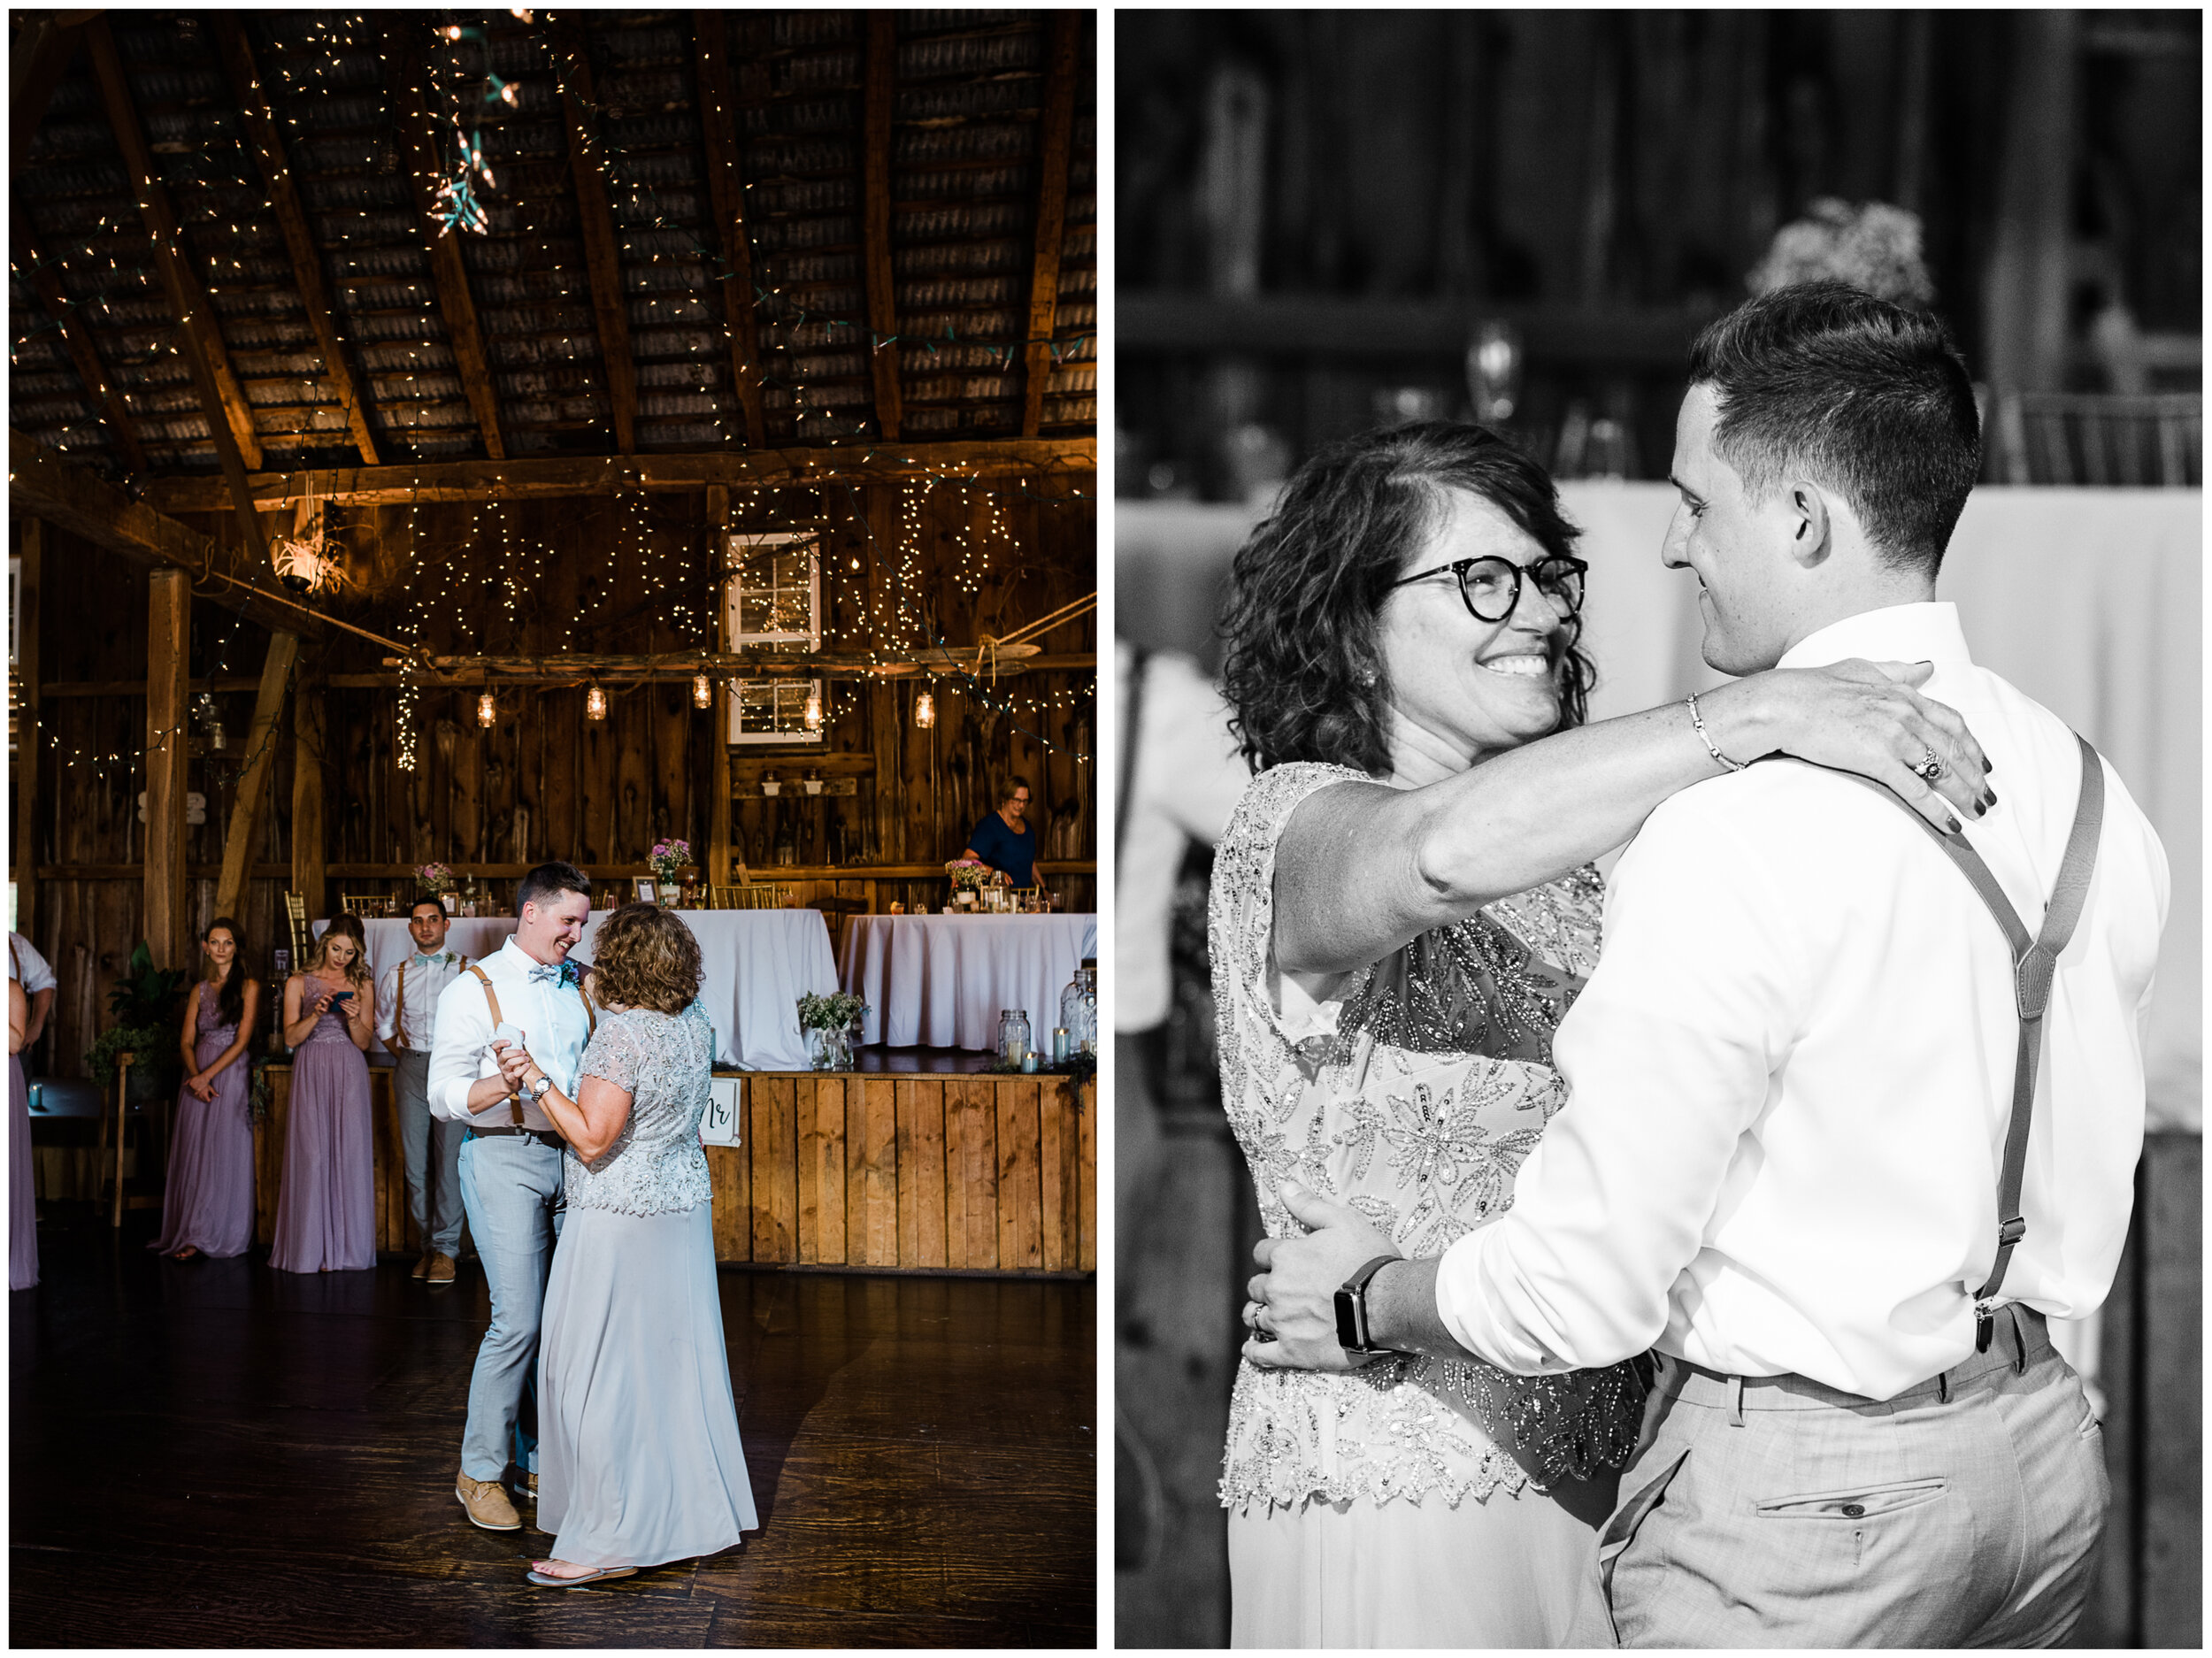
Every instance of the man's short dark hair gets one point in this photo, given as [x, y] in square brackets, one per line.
[1820, 380]
[550, 881]
[428, 898]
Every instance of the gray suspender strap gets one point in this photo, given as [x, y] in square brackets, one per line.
[2035, 962]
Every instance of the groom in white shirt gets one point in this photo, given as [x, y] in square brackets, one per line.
[1791, 1077]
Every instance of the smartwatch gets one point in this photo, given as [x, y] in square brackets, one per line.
[1351, 1309]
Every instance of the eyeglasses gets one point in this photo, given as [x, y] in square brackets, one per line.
[1490, 586]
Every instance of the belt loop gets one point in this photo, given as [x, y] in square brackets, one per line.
[1735, 1400]
[1943, 1387]
[2019, 1340]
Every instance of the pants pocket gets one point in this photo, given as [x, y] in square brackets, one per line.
[1859, 1502]
[1628, 1518]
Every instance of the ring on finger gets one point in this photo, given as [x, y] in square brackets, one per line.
[1260, 1331]
[1929, 767]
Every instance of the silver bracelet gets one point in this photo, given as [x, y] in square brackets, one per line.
[1711, 747]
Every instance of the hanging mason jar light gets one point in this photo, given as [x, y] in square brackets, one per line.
[487, 710]
[596, 702]
[814, 707]
[702, 691]
[925, 711]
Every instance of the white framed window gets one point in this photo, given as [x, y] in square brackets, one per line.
[771, 593]
[775, 710]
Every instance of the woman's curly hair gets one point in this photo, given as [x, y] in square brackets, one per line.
[1303, 667]
[646, 958]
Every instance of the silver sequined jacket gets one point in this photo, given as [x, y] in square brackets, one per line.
[655, 1165]
[1415, 1092]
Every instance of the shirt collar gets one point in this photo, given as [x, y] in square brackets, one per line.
[1927, 632]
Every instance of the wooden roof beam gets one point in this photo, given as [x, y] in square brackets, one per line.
[37, 58]
[307, 266]
[726, 191]
[67, 495]
[881, 60]
[25, 253]
[595, 218]
[1056, 131]
[229, 420]
[449, 275]
[599, 475]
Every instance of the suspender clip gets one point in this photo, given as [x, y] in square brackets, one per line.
[1984, 1324]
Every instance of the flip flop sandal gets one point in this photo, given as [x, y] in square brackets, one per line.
[545, 1582]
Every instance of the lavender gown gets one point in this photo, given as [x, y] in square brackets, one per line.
[325, 1218]
[22, 1203]
[210, 1200]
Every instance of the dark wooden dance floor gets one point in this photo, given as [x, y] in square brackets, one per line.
[215, 1454]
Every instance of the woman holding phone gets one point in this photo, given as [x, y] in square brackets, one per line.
[325, 1219]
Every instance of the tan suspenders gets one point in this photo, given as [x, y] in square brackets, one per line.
[399, 1004]
[491, 999]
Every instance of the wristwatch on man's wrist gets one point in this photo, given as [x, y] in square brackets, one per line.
[1351, 1309]
[538, 1089]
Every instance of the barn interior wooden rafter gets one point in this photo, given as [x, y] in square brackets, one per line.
[392, 391]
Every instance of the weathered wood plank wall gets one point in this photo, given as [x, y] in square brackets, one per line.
[916, 1173]
[903, 566]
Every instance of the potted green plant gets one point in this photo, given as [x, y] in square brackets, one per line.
[145, 1001]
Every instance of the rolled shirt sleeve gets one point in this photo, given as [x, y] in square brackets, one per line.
[457, 1053]
[388, 1007]
[1668, 1056]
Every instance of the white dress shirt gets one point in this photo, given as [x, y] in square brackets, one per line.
[1790, 1075]
[27, 964]
[553, 1021]
[1184, 779]
[407, 1000]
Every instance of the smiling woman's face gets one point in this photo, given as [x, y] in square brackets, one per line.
[1479, 686]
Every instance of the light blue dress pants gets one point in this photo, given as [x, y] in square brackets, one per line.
[511, 1188]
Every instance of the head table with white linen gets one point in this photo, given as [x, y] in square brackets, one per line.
[940, 981]
[758, 962]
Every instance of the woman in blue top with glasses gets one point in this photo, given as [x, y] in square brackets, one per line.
[1004, 840]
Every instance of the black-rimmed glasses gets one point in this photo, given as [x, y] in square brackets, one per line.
[1490, 586]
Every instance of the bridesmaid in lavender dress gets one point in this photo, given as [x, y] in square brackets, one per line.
[22, 1226]
[209, 1208]
[325, 1219]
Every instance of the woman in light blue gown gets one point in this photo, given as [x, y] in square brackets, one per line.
[639, 1458]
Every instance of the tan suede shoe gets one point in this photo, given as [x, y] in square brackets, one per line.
[486, 1504]
[441, 1268]
[422, 1267]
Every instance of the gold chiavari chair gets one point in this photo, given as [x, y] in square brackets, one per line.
[295, 913]
[366, 903]
[753, 895]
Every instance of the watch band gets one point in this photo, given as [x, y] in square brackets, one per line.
[1351, 1309]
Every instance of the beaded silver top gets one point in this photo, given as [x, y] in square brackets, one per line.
[655, 1165]
[1414, 1092]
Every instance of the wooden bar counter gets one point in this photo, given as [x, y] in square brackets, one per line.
[915, 1172]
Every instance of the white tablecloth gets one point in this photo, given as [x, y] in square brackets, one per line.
[940, 981]
[758, 963]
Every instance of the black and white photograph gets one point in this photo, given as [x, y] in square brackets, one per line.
[1658, 889]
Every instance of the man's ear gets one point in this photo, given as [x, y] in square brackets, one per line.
[1810, 533]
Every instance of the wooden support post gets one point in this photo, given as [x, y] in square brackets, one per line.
[726, 191]
[719, 807]
[1055, 139]
[30, 552]
[45, 279]
[875, 224]
[307, 266]
[595, 222]
[308, 866]
[37, 57]
[168, 636]
[2025, 291]
[244, 833]
[403, 56]
[222, 399]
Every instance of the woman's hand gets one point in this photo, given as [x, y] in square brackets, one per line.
[515, 1064]
[1861, 716]
[198, 1085]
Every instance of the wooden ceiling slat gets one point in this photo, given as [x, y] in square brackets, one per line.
[37, 58]
[448, 274]
[229, 420]
[307, 270]
[1053, 146]
[725, 188]
[47, 285]
[883, 321]
[602, 256]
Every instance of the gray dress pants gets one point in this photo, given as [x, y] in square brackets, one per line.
[430, 1147]
[1776, 1512]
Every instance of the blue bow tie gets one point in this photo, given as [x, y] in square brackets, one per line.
[547, 974]
[430, 961]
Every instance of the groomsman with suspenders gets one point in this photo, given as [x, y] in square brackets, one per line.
[406, 1023]
[528, 991]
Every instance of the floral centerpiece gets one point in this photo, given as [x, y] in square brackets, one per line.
[669, 858]
[434, 878]
[1872, 246]
[829, 1022]
[970, 875]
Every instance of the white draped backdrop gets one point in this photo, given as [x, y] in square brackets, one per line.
[2090, 600]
